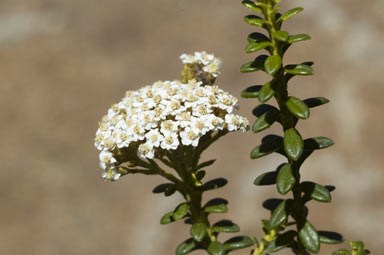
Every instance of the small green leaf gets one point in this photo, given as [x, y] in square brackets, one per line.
[251, 92]
[290, 14]
[309, 237]
[253, 47]
[265, 121]
[185, 247]
[206, 163]
[256, 65]
[170, 190]
[316, 191]
[257, 37]
[300, 69]
[254, 20]
[315, 101]
[293, 144]
[298, 38]
[162, 187]
[341, 252]
[280, 214]
[267, 147]
[298, 108]
[198, 231]
[217, 205]
[329, 237]
[167, 218]
[266, 92]
[285, 179]
[317, 143]
[281, 35]
[214, 184]
[238, 242]
[281, 241]
[263, 108]
[181, 211]
[200, 175]
[216, 248]
[252, 6]
[267, 178]
[226, 226]
[272, 64]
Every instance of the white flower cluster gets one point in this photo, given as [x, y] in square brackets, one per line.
[164, 116]
[210, 64]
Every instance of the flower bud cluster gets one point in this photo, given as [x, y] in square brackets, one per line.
[164, 116]
[206, 62]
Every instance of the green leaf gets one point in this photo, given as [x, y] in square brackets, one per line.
[200, 175]
[252, 6]
[238, 242]
[281, 35]
[216, 248]
[170, 190]
[162, 187]
[298, 38]
[300, 69]
[214, 184]
[198, 231]
[329, 237]
[293, 144]
[254, 20]
[309, 237]
[266, 92]
[341, 252]
[226, 226]
[290, 14]
[251, 92]
[257, 37]
[181, 211]
[217, 205]
[263, 108]
[285, 179]
[253, 47]
[167, 218]
[298, 108]
[280, 214]
[272, 64]
[185, 247]
[267, 178]
[281, 241]
[265, 121]
[206, 163]
[270, 145]
[316, 191]
[317, 143]
[315, 101]
[256, 65]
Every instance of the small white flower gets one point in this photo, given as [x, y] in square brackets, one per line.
[187, 59]
[190, 136]
[146, 150]
[170, 142]
[111, 174]
[154, 138]
[233, 122]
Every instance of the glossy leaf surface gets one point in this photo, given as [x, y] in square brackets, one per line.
[251, 92]
[290, 14]
[226, 226]
[280, 214]
[329, 237]
[285, 179]
[309, 237]
[298, 108]
[167, 218]
[281, 241]
[267, 178]
[341, 252]
[185, 247]
[198, 231]
[272, 64]
[316, 191]
[299, 69]
[214, 184]
[298, 38]
[266, 92]
[317, 143]
[265, 121]
[256, 65]
[316, 101]
[252, 6]
[267, 147]
[181, 211]
[253, 47]
[238, 242]
[293, 144]
[254, 20]
[281, 35]
[257, 37]
[217, 205]
[216, 248]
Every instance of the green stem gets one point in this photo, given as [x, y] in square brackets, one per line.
[281, 96]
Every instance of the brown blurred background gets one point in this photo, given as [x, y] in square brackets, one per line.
[64, 62]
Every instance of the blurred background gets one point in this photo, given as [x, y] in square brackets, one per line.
[64, 62]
